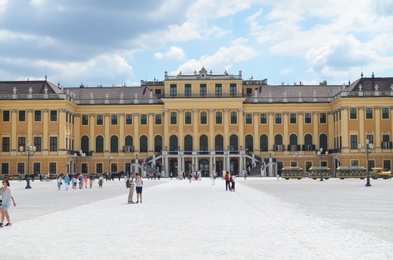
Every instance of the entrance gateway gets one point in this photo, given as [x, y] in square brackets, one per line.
[179, 162]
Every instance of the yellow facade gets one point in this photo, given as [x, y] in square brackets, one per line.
[197, 122]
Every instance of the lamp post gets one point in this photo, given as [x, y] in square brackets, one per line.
[320, 153]
[81, 155]
[30, 150]
[369, 146]
[295, 156]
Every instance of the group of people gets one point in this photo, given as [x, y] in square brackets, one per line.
[230, 180]
[73, 180]
[6, 199]
[134, 182]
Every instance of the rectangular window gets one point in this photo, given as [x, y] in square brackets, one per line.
[218, 89]
[233, 117]
[202, 90]
[187, 118]
[248, 119]
[203, 118]
[307, 118]
[85, 119]
[354, 163]
[37, 143]
[22, 115]
[232, 89]
[36, 167]
[385, 113]
[173, 90]
[114, 119]
[263, 118]
[52, 168]
[100, 119]
[386, 144]
[158, 119]
[173, 118]
[143, 119]
[53, 143]
[354, 142]
[278, 118]
[128, 119]
[21, 168]
[99, 168]
[6, 116]
[37, 115]
[53, 115]
[6, 144]
[369, 113]
[22, 142]
[158, 93]
[292, 118]
[5, 168]
[187, 90]
[249, 92]
[322, 118]
[353, 113]
[219, 117]
[386, 165]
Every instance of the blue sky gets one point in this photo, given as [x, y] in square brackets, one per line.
[100, 42]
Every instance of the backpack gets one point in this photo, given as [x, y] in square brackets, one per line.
[128, 184]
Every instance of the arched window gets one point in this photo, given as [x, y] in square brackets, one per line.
[143, 144]
[188, 143]
[114, 144]
[129, 140]
[323, 142]
[158, 143]
[233, 142]
[278, 143]
[203, 143]
[293, 142]
[308, 146]
[249, 143]
[173, 144]
[278, 139]
[263, 143]
[219, 143]
[85, 144]
[99, 144]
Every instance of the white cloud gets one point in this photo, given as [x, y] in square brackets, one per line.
[225, 58]
[113, 68]
[3, 5]
[174, 52]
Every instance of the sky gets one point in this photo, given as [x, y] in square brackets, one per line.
[112, 43]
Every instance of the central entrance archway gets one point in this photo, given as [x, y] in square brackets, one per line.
[204, 167]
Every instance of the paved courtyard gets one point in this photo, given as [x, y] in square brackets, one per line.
[264, 219]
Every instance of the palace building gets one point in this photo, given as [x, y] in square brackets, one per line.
[202, 121]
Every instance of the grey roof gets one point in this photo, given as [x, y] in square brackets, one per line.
[23, 87]
[372, 84]
[86, 95]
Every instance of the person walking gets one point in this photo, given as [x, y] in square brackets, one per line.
[66, 182]
[233, 181]
[131, 181]
[139, 186]
[100, 181]
[86, 180]
[7, 197]
[59, 182]
[91, 180]
[80, 178]
[227, 181]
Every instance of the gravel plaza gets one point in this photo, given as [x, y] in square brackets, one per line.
[264, 218]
